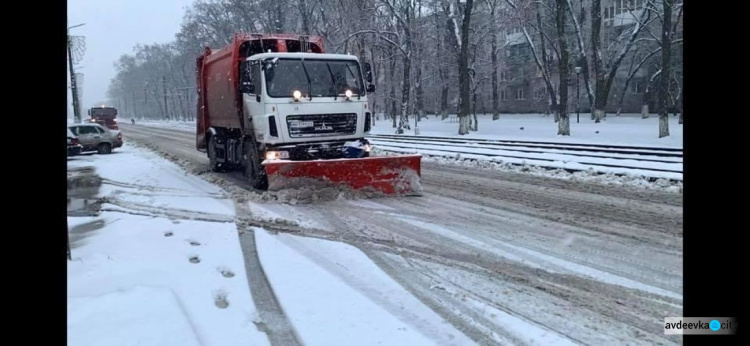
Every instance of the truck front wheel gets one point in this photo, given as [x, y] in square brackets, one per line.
[253, 169]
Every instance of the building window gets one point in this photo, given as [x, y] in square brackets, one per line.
[609, 12]
[503, 76]
[621, 6]
[519, 94]
[625, 6]
[503, 95]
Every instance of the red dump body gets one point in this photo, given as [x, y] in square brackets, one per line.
[217, 73]
[105, 116]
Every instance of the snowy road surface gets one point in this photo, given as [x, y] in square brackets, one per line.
[507, 258]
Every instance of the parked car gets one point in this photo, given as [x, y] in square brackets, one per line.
[74, 145]
[95, 137]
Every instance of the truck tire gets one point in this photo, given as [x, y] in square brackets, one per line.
[215, 166]
[253, 169]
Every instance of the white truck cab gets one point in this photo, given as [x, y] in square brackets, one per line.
[297, 104]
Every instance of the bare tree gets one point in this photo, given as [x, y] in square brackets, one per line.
[605, 72]
[393, 108]
[426, 49]
[444, 82]
[647, 95]
[463, 71]
[540, 58]
[632, 71]
[581, 56]
[493, 5]
[666, 49]
[419, 42]
[564, 123]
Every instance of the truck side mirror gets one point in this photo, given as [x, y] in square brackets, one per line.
[247, 88]
[368, 73]
[370, 88]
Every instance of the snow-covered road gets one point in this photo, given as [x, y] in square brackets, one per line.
[504, 257]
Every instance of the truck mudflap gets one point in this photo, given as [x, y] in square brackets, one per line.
[383, 175]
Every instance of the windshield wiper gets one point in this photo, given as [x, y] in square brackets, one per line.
[333, 79]
[309, 83]
[359, 86]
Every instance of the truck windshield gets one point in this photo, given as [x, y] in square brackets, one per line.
[328, 78]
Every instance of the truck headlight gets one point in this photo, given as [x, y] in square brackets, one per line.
[348, 93]
[368, 147]
[275, 155]
[297, 95]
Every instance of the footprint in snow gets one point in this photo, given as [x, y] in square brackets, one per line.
[195, 259]
[220, 299]
[168, 234]
[226, 272]
[194, 243]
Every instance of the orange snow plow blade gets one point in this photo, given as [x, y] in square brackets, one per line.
[388, 175]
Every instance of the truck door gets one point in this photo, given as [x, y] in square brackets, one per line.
[253, 100]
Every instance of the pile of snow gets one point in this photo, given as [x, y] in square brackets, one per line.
[588, 176]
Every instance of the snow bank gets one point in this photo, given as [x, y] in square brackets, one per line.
[589, 176]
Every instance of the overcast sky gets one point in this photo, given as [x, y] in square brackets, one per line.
[113, 28]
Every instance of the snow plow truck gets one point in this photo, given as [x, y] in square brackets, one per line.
[289, 115]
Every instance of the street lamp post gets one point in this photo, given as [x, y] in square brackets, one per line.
[578, 94]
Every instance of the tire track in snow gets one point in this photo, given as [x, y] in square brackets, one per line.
[274, 321]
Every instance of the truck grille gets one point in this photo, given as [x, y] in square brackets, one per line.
[318, 125]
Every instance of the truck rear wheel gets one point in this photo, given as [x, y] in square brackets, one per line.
[253, 169]
[215, 166]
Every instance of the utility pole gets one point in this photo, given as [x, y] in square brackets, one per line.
[73, 89]
[73, 84]
[164, 90]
